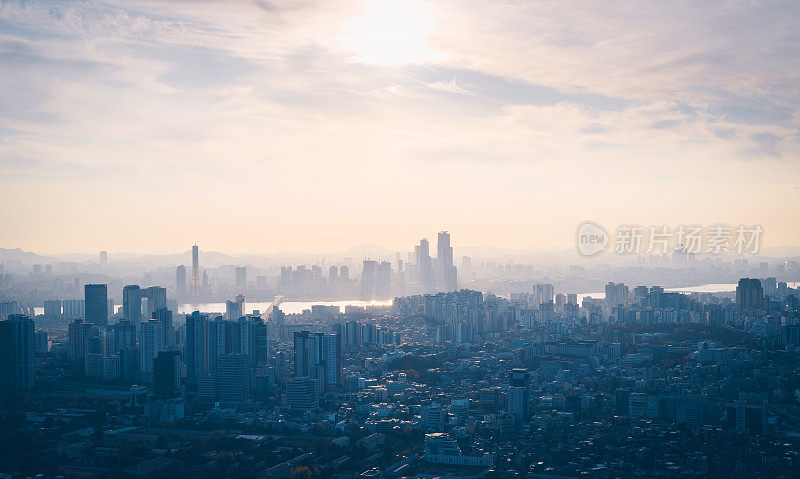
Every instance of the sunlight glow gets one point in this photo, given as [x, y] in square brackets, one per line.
[392, 32]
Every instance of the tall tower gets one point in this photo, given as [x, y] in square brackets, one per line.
[96, 304]
[448, 272]
[195, 271]
[423, 259]
[132, 304]
[16, 353]
[180, 281]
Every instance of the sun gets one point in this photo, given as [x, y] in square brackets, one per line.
[391, 32]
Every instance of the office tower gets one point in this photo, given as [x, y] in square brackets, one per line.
[344, 272]
[132, 304]
[241, 278]
[261, 340]
[368, 279]
[448, 272]
[103, 258]
[80, 336]
[124, 334]
[180, 281]
[167, 374]
[353, 332]
[422, 255]
[165, 316]
[16, 353]
[749, 295]
[196, 347]
[329, 355]
[218, 342]
[195, 271]
[233, 379]
[333, 275]
[383, 280]
[151, 341]
[156, 299]
[128, 364]
[519, 396]
[96, 304]
[301, 394]
[304, 354]
[542, 293]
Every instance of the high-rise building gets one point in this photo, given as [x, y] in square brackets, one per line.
[124, 334]
[96, 301]
[167, 374]
[368, 279]
[519, 396]
[318, 356]
[165, 316]
[241, 278]
[132, 304]
[422, 253]
[81, 338]
[195, 271]
[542, 293]
[16, 353]
[151, 341]
[448, 272]
[233, 379]
[196, 346]
[749, 295]
[383, 280]
[180, 281]
[235, 309]
[156, 299]
[301, 394]
[103, 258]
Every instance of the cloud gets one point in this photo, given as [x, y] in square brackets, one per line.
[525, 104]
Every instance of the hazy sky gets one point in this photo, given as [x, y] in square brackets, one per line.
[303, 125]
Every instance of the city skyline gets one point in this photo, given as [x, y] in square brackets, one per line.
[398, 114]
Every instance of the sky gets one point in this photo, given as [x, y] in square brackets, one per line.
[296, 125]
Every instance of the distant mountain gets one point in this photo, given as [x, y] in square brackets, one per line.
[26, 257]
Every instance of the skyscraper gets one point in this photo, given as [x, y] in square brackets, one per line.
[16, 353]
[167, 374]
[195, 271]
[422, 254]
[196, 347]
[132, 304]
[96, 301]
[233, 379]
[519, 395]
[749, 295]
[165, 316]
[368, 279]
[448, 272]
[81, 337]
[151, 341]
[156, 299]
[383, 280]
[180, 281]
[241, 278]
